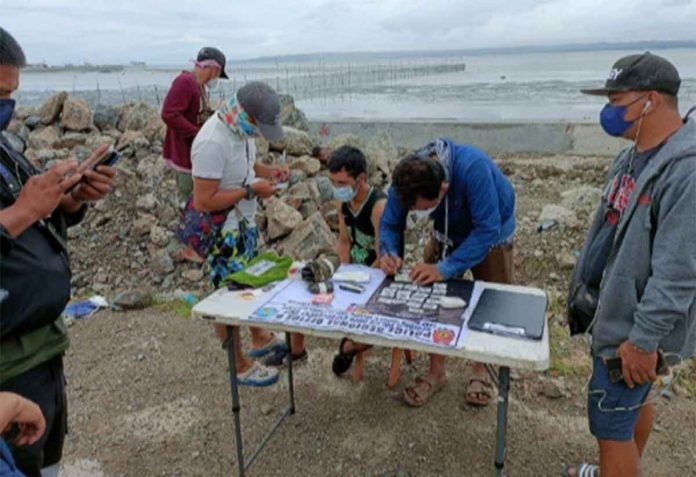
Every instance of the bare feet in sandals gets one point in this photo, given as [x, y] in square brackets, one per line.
[479, 391]
[426, 386]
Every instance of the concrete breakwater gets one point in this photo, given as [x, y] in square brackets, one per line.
[583, 139]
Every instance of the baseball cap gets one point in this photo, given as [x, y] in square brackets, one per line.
[645, 72]
[261, 102]
[210, 53]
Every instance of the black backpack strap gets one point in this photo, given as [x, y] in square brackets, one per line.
[689, 112]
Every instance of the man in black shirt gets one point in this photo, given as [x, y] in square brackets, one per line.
[35, 210]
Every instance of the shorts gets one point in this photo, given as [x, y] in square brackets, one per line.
[497, 267]
[184, 186]
[613, 408]
[45, 386]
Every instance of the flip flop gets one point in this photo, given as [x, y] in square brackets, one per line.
[276, 343]
[481, 385]
[344, 359]
[581, 470]
[258, 376]
[421, 392]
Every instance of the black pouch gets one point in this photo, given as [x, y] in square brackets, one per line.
[582, 306]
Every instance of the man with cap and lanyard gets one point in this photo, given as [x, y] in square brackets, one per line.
[634, 285]
[225, 171]
[186, 107]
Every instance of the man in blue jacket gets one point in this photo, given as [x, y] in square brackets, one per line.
[473, 207]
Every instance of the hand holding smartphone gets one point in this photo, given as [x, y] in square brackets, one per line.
[615, 367]
[103, 156]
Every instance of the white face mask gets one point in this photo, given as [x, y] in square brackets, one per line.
[422, 214]
[213, 84]
[344, 194]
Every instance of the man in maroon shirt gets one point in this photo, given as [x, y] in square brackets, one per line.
[185, 109]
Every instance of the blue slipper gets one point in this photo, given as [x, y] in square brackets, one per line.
[258, 376]
[277, 343]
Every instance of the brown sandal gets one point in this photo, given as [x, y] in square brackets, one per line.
[421, 392]
[479, 384]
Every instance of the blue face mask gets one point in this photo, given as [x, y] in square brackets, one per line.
[7, 107]
[612, 119]
[344, 194]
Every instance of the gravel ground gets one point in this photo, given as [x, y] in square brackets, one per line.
[149, 396]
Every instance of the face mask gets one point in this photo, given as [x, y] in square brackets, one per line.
[7, 107]
[612, 119]
[213, 84]
[344, 194]
[422, 214]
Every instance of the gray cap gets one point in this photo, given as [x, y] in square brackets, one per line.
[646, 72]
[261, 102]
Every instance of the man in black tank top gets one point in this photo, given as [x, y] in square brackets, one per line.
[361, 207]
[358, 220]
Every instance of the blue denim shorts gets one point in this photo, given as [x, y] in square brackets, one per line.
[613, 409]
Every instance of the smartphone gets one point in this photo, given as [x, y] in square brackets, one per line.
[108, 158]
[92, 162]
[615, 367]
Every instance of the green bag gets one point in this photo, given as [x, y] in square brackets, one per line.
[266, 268]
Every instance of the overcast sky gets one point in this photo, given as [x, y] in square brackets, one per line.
[170, 32]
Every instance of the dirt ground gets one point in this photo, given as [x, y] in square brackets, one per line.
[149, 396]
[149, 393]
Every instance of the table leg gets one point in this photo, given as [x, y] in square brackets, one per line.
[291, 385]
[501, 431]
[232, 363]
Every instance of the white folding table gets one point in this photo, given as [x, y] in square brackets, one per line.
[230, 308]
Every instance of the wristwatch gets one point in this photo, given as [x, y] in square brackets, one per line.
[250, 193]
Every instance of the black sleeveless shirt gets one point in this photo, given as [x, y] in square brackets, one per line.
[360, 229]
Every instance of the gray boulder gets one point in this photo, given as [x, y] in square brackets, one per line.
[141, 117]
[290, 115]
[51, 109]
[44, 138]
[325, 188]
[282, 219]
[76, 115]
[105, 117]
[295, 142]
[32, 122]
[71, 140]
[309, 239]
[162, 263]
[132, 300]
[306, 164]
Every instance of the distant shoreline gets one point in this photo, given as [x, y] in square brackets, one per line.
[384, 55]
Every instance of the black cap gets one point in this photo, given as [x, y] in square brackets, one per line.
[646, 72]
[210, 53]
[261, 102]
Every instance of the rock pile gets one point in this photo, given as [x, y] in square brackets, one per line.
[127, 241]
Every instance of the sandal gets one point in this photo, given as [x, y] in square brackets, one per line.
[421, 392]
[581, 470]
[479, 384]
[257, 376]
[280, 357]
[275, 343]
[344, 359]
